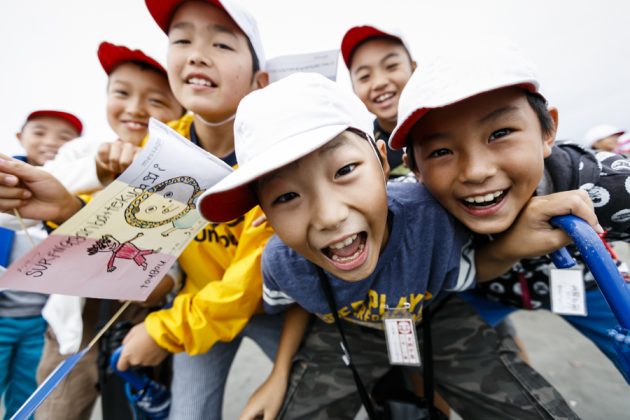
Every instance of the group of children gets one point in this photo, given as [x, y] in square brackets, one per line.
[341, 223]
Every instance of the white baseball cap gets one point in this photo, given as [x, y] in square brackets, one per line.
[163, 11]
[457, 74]
[600, 132]
[357, 35]
[277, 125]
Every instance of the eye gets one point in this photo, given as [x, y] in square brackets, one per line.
[392, 66]
[168, 194]
[439, 153]
[156, 102]
[180, 41]
[285, 198]
[150, 209]
[222, 46]
[364, 77]
[500, 133]
[120, 93]
[346, 170]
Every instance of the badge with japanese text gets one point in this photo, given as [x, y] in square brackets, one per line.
[400, 335]
[567, 292]
[123, 242]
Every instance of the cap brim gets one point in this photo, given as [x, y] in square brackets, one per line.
[66, 116]
[111, 56]
[398, 138]
[233, 196]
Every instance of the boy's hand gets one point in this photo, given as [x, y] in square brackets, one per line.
[140, 349]
[532, 235]
[113, 158]
[34, 192]
[266, 402]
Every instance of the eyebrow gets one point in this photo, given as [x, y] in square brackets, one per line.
[388, 56]
[332, 146]
[497, 113]
[213, 27]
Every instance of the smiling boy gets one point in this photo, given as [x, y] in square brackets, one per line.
[305, 157]
[480, 134]
[380, 65]
[215, 57]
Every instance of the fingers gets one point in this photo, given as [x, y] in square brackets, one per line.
[123, 362]
[13, 170]
[117, 156]
[576, 202]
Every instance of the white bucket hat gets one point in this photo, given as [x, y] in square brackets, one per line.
[457, 74]
[277, 125]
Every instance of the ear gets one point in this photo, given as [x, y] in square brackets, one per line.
[414, 65]
[260, 80]
[382, 150]
[18, 136]
[548, 139]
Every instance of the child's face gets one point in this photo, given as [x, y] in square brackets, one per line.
[133, 96]
[607, 144]
[482, 158]
[209, 62]
[169, 202]
[331, 206]
[42, 137]
[379, 71]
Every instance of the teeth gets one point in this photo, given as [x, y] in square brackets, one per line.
[344, 243]
[383, 97]
[484, 198]
[351, 257]
[199, 81]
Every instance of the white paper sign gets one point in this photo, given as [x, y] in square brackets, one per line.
[567, 292]
[322, 62]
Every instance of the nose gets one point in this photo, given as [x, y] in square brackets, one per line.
[329, 212]
[135, 106]
[380, 80]
[477, 167]
[197, 57]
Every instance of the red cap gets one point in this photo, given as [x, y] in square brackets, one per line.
[163, 10]
[359, 34]
[111, 56]
[69, 118]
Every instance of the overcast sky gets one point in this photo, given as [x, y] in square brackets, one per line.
[581, 48]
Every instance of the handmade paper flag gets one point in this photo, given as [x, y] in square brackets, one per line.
[125, 240]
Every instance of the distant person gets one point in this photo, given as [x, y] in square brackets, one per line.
[21, 323]
[602, 137]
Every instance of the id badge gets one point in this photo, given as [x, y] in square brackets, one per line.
[567, 292]
[400, 335]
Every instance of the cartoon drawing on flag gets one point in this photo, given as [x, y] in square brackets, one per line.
[121, 244]
[169, 202]
[126, 251]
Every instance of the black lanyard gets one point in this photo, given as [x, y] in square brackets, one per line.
[427, 354]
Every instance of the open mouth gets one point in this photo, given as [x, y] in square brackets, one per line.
[384, 97]
[348, 253]
[485, 200]
[200, 81]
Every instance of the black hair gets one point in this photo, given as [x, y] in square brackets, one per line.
[391, 39]
[536, 101]
[369, 139]
[255, 62]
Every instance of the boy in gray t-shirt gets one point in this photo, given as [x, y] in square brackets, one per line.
[305, 157]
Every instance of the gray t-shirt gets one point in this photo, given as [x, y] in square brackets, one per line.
[427, 251]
